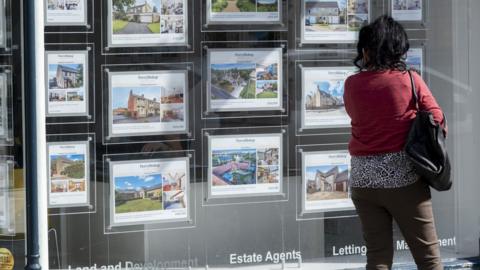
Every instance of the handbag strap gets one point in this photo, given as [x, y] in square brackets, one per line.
[415, 99]
[414, 90]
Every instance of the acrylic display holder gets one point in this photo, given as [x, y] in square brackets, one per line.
[274, 18]
[215, 190]
[174, 211]
[6, 106]
[323, 159]
[5, 27]
[62, 116]
[305, 113]
[417, 58]
[70, 21]
[409, 15]
[306, 39]
[226, 111]
[66, 205]
[120, 43]
[7, 197]
[173, 70]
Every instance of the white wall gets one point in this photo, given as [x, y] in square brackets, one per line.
[466, 41]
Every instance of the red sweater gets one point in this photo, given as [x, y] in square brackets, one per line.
[381, 108]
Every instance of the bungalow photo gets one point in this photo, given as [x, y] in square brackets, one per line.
[136, 16]
[268, 175]
[67, 167]
[233, 6]
[233, 81]
[325, 15]
[234, 167]
[326, 182]
[267, 89]
[324, 97]
[138, 193]
[65, 76]
[63, 4]
[58, 186]
[135, 105]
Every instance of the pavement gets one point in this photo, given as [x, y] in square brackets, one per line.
[232, 6]
[135, 28]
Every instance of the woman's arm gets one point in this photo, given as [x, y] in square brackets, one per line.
[427, 102]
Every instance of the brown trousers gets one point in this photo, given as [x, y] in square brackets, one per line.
[411, 208]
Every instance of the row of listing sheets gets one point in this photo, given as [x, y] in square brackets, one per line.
[150, 190]
[165, 22]
[153, 102]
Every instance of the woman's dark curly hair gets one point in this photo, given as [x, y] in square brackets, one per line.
[385, 44]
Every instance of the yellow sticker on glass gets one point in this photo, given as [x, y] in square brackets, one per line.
[6, 259]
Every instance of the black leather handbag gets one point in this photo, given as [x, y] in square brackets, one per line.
[426, 149]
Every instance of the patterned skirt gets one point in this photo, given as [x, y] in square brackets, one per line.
[390, 170]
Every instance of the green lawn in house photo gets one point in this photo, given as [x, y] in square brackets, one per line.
[118, 25]
[247, 5]
[219, 5]
[234, 6]
[267, 94]
[154, 27]
[267, 7]
[139, 205]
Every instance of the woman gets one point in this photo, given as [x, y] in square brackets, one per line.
[384, 185]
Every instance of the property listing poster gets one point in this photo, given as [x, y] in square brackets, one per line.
[414, 59]
[333, 21]
[325, 181]
[66, 12]
[241, 165]
[146, 191]
[147, 22]
[143, 103]
[249, 11]
[322, 97]
[407, 10]
[67, 83]
[3, 106]
[4, 205]
[245, 79]
[68, 174]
